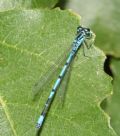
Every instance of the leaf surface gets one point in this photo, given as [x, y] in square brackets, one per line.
[27, 4]
[30, 42]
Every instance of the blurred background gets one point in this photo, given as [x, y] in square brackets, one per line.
[103, 17]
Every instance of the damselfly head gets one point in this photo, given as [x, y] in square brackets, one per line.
[86, 31]
[79, 29]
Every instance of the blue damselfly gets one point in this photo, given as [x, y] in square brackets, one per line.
[80, 40]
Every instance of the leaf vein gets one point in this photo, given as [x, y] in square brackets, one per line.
[8, 117]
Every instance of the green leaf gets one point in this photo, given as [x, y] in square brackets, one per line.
[30, 42]
[5, 129]
[114, 102]
[103, 17]
[27, 4]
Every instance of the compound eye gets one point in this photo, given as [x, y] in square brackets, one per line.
[79, 29]
[88, 29]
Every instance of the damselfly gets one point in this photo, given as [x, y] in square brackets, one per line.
[80, 40]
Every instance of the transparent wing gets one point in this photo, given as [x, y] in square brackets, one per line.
[47, 77]
[64, 87]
